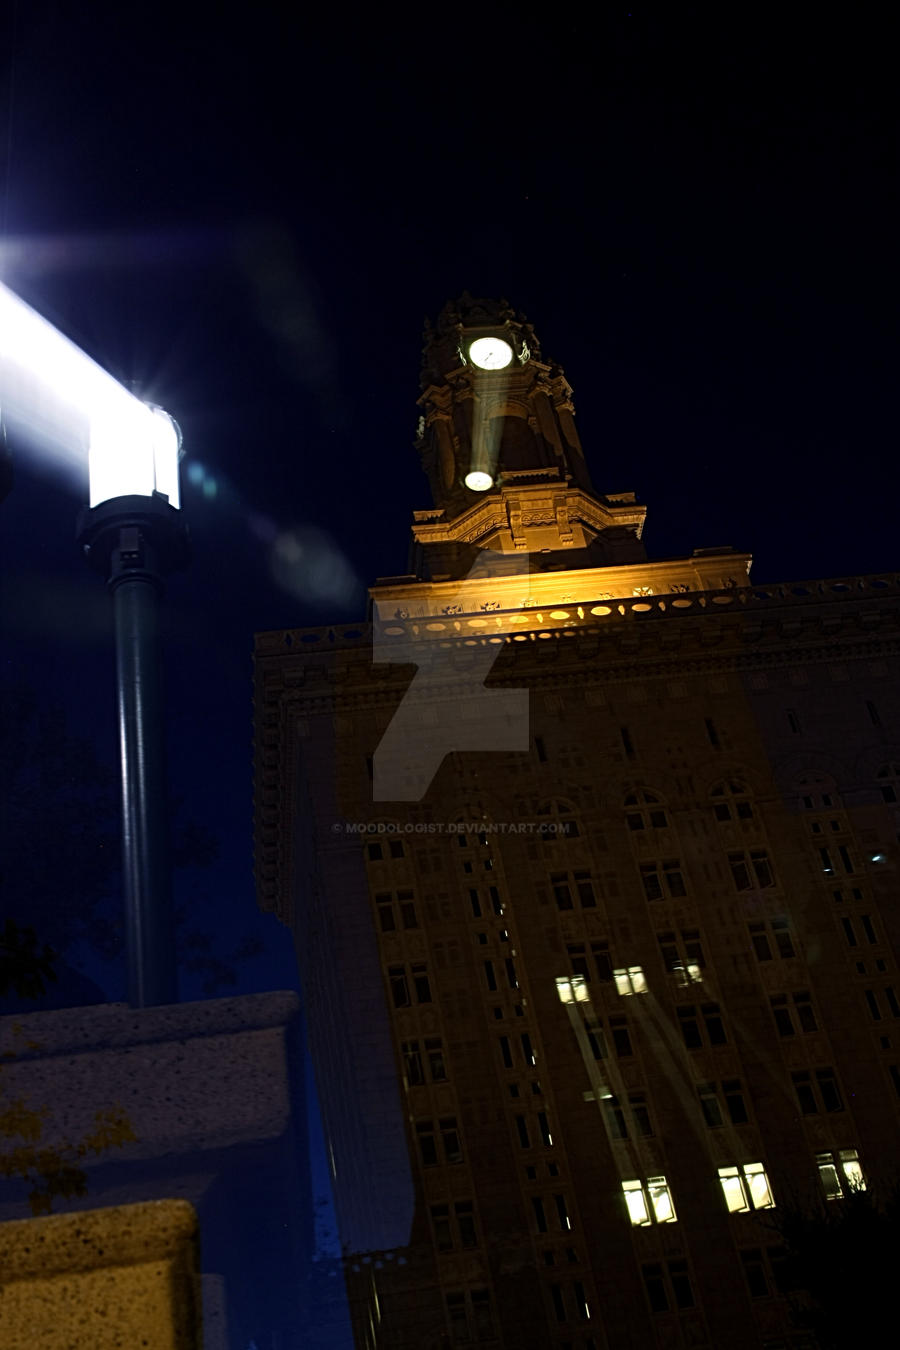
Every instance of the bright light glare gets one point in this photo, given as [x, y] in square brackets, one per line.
[491, 353]
[478, 481]
[52, 392]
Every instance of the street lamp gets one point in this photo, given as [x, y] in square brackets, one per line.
[133, 532]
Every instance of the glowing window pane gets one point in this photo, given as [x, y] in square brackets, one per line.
[630, 980]
[831, 1182]
[733, 1190]
[572, 989]
[759, 1186]
[636, 1202]
[661, 1200]
[852, 1170]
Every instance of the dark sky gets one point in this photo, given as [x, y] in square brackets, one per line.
[251, 217]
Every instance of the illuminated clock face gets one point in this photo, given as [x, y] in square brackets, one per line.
[490, 353]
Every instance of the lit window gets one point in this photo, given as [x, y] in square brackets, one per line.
[630, 980]
[841, 1173]
[649, 1202]
[746, 1187]
[572, 989]
[636, 1200]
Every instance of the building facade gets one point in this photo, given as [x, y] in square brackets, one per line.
[591, 862]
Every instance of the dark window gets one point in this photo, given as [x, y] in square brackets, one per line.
[427, 1145]
[709, 1104]
[804, 1010]
[562, 1212]
[782, 937]
[626, 742]
[475, 903]
[754, 1272]
[681, 1284]
[872, 1001]
[544, 1127]
[868, 928]
[561, 892]
[399, 986]
[873, 713]
[846, 860]
[621, 1039]
[651, 881]
[760, 942]
[830, 1092]
[412, 1063]
[440, 1222]
[690, 1028]
[541, 749]
[459, 1322]
[615, 1118]
[511, 977]
[794, 722]
[540, 1216]
[496, 902]
[849, 933]
[559, 1305]
[805, 1095]
[892, 1000]
[581, 1306]
[782, 1015]
[640, 1115]
[674, 879]
[585, 889]
[715, 1029]
[734, 1100]
[490, 976]
[481, 1312]
[655, 1285]
[396, 848]
[505, 1052]
[711, 732]
[450, 1138]
[465, 1223]
[435, 1052]
[522, 1129]
[375, 852]
[407, 909]
[385, 913]
[421, 985]
[602, 960]
[527, 1049]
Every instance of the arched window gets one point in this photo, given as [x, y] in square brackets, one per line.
[816, 792]
[889, 782]
[731, 801]
[557, 821]
[645, 811]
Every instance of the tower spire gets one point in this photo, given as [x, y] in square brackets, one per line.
[499, 446]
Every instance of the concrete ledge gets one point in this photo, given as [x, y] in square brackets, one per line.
[102, 1280]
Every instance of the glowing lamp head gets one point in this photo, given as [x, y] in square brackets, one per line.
[133, 451]
[477, 481]
[490, 353]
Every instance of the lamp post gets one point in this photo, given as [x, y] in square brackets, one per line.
[133, 532]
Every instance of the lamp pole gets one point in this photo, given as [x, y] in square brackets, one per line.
[132, 531]
[136, 541]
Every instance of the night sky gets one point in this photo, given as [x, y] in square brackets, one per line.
[251, 216]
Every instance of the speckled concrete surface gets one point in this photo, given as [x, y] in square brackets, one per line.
[108, 1279]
